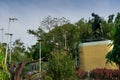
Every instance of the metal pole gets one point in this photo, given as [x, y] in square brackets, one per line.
[6, 52]
[7, 42]
[40, 60]
[65, 42]
[10, 47]
[40, 70]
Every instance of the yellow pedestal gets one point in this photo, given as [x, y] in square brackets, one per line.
[92, 55]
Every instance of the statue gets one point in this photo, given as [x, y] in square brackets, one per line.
[96, 26]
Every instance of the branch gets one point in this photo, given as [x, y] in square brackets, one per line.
[35, 61]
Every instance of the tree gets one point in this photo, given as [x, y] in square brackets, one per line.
[49, 22]
[117, 19]
[84, 29]
[106, 29]
[37, 33]
[18, 52]
[110, 18]
[114, 54]
[111, 25]
[16, 70]
[18, 47]
[33, 52]
[61, 67]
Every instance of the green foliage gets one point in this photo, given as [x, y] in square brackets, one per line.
[84, 29]
[33, 52]
[18, 47]
[19, 58]
[4, 74]
[18, 52]
[49, 22]
[37, 33]
[61, 66]
[68, 31]
[117, 19]
[114, 54]
[106, 29]
[110, 18]
[48, 78]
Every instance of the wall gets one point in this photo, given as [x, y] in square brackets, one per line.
[92, 55]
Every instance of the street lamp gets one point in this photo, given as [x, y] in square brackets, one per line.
[10, 45]
[2, 35]
[11, 19]
[6, 53]
[40, 40]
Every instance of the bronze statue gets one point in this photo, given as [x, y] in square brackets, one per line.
[96, 26]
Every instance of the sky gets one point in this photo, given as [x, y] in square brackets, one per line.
[31, 12]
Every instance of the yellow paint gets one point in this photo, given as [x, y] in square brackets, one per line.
[92, 55]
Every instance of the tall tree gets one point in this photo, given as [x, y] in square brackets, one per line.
[117, 19]
[84, 28]
[49, 22]
[18, 47]
[110, 18]
[114, 54]
[61, 67]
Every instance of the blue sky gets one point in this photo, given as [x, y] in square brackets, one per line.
[31, 12]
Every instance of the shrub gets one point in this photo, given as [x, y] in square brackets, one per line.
[81, 74]
[60, 66]
[104, 73]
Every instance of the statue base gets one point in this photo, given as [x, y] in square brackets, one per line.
[93, 40]
[92, 54]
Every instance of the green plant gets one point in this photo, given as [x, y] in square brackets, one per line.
[4, 74]
[105, 74]
[81, 74]
[61, 66]
[48, 78]
[114, 54]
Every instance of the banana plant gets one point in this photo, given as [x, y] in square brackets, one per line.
[4, 74]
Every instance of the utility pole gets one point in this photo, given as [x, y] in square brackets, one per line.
[40, 69]
[8, 37]
[10, 45]
[65, 41]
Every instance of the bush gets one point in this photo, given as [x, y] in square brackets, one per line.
[61, 66]
[81, 74]
[104, 73]
[48, 78]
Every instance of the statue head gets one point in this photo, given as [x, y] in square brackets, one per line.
[93, 14]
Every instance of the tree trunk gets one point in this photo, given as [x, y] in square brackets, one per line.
[18, 72]
[17, 69]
